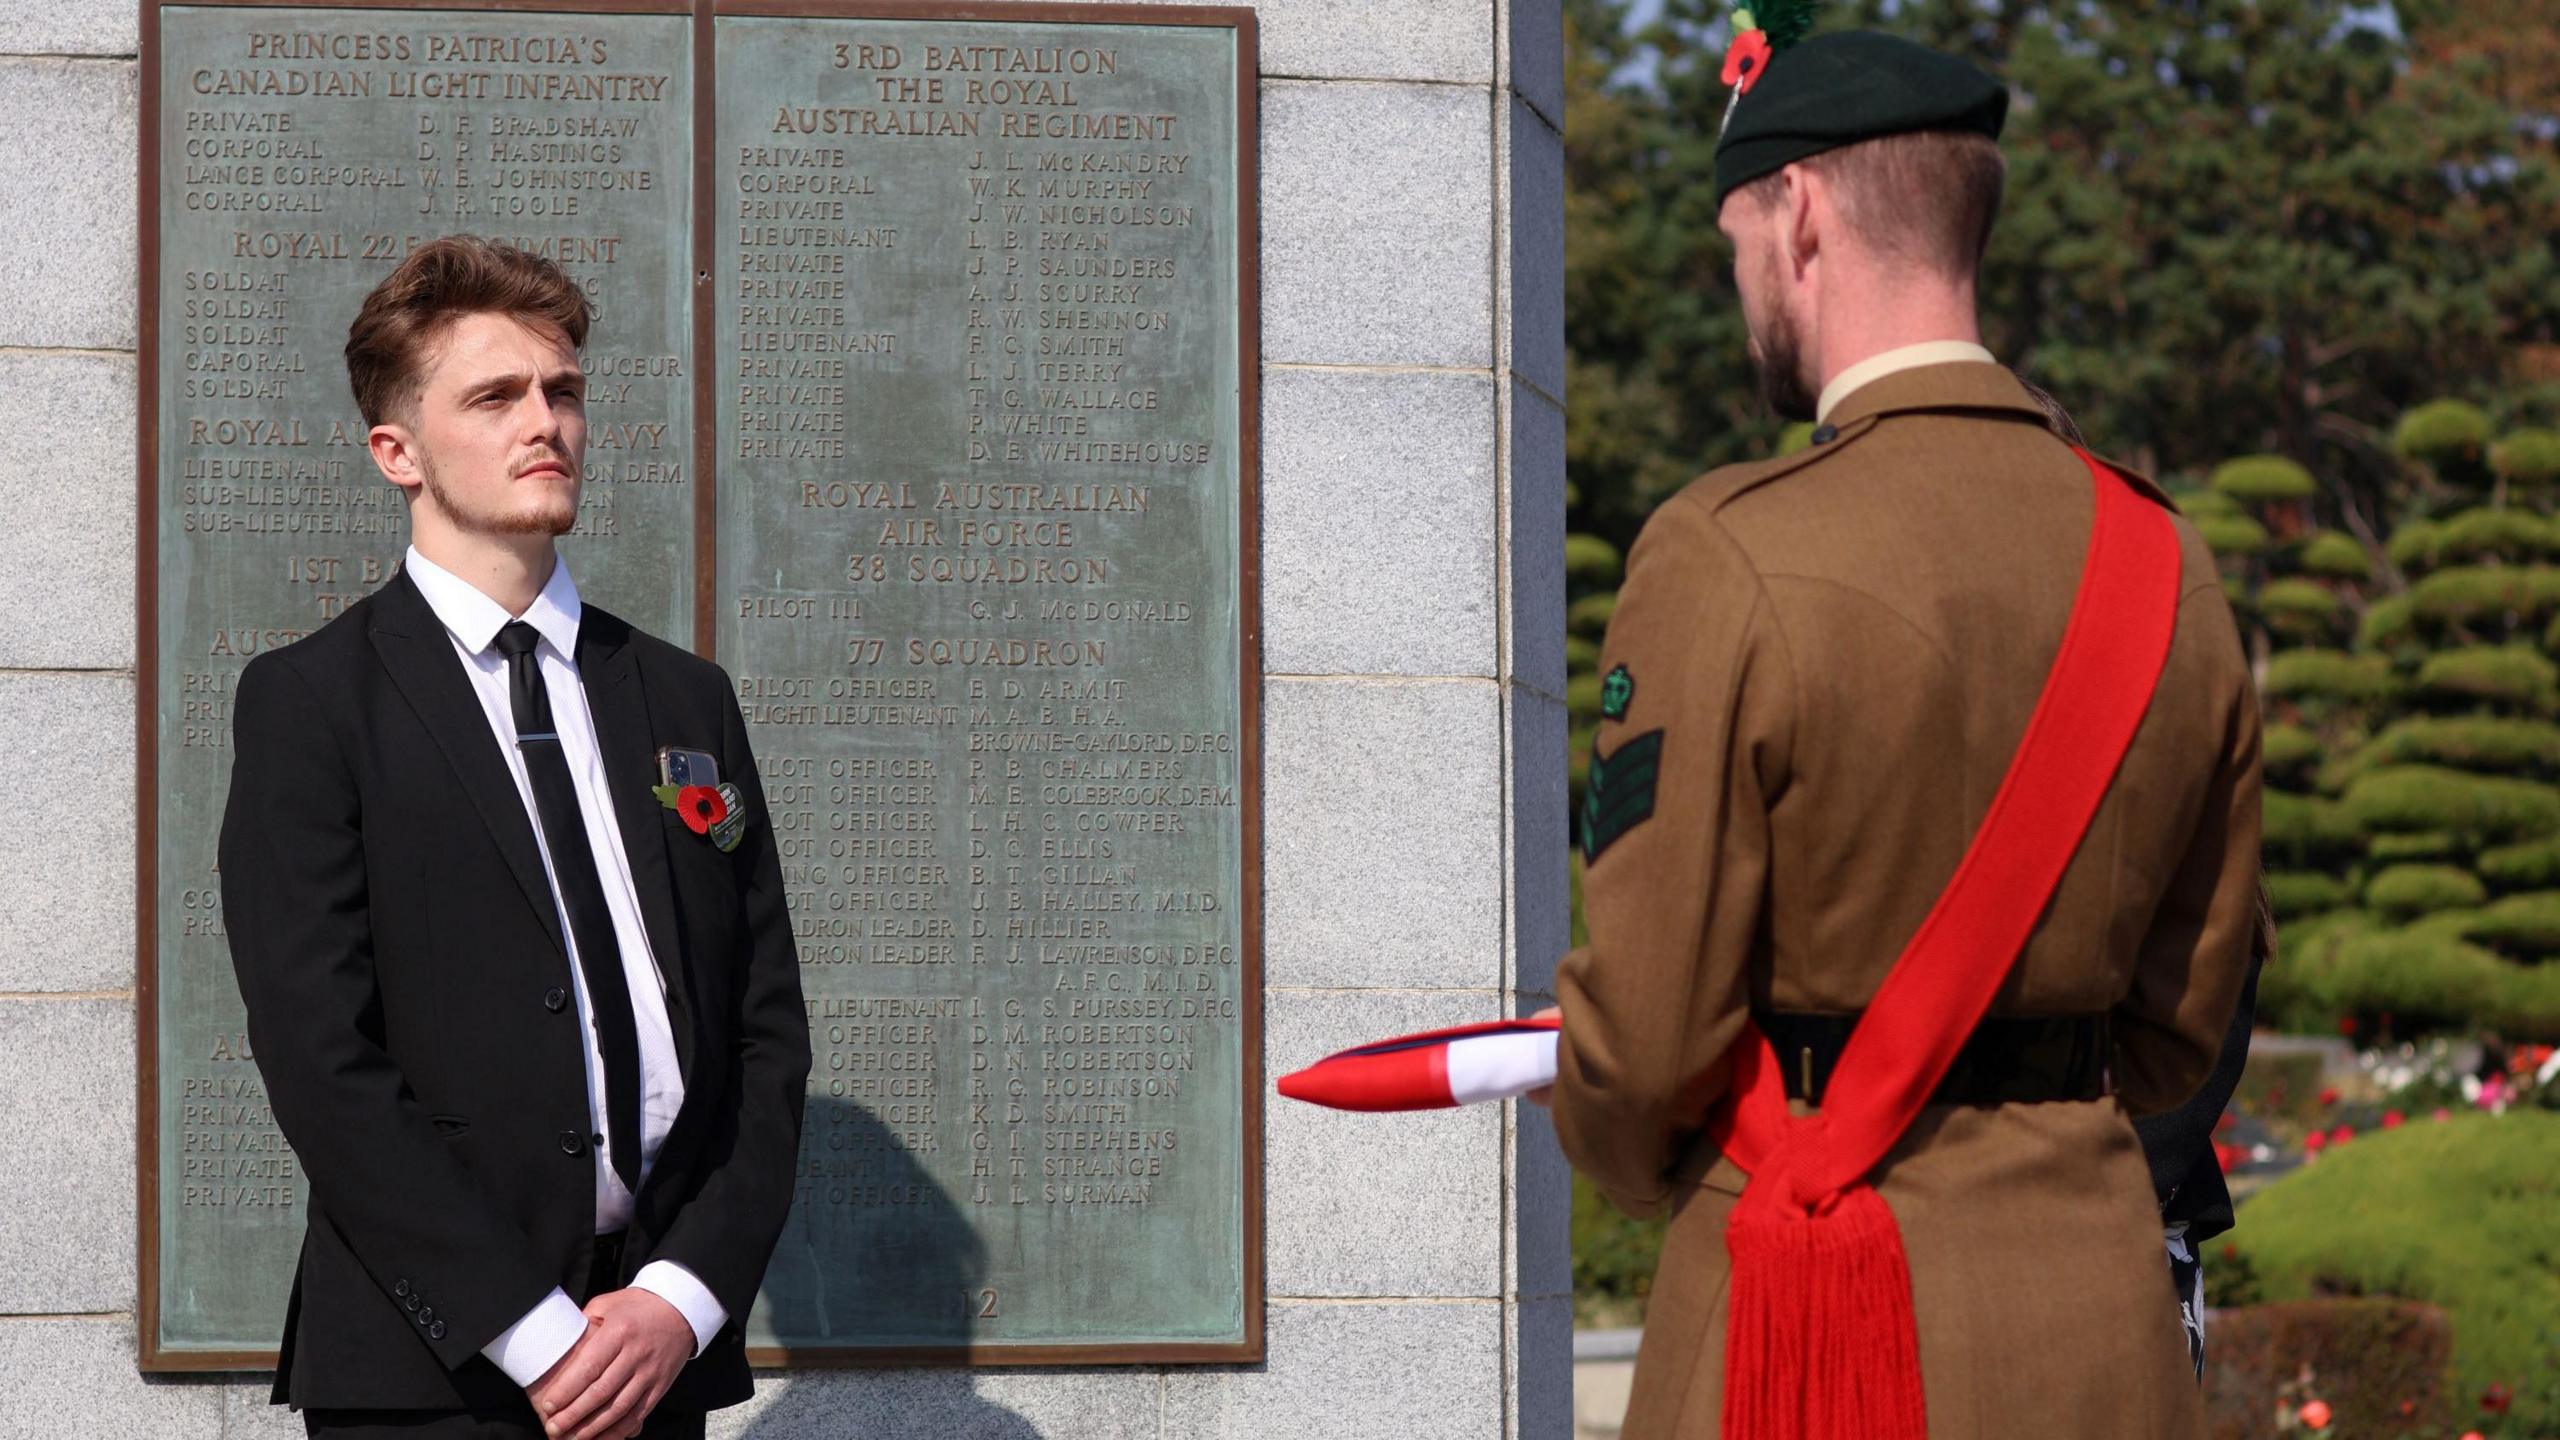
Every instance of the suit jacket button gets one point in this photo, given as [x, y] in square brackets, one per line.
[427, 1315]
[409, 1302]
[1825, 434]
[436, 1331]
[555, 1000]
[401, 1289]
[572, 1143]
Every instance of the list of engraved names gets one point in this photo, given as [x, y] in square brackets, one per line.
[978, 379]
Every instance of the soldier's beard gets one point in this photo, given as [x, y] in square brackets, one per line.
[1779, 353]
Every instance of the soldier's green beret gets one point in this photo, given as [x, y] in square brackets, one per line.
[1844, 87]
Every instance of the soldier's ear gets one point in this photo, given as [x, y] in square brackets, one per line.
[1803, 199]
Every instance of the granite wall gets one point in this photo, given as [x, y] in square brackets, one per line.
[1413, 484]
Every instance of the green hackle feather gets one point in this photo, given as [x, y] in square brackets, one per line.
[1784, 21]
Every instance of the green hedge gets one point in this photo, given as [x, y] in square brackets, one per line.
[2505, 674]
[1590, 614]
[2421, 979]
[2412, 546]
[2333, 556]
[2527, 457]
[2258, 479]
[2458, 1214]
[2532, 865]
[1591, 563]
[2483, 596]
[2331, 675]
[2513, 536]
[2301, 607]
[1582, 699]
[2400, 849]
[1613, 1260]
[2442, 432]
[2286, 748]
[2528, 1002]
[2525, 926]
[2198, 504]
[2297, 894]
[2405, 892]
[1581, 653]
[2387, 622]
[2428, 797]
[2464, 742]
[2303, 829]
[2232, 534]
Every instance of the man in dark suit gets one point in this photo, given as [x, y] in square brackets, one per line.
[535, 1035]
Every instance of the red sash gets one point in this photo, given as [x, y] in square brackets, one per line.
[1820, 1343]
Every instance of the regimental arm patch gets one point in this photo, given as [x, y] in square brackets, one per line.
[1617, 692]
[1617, 791]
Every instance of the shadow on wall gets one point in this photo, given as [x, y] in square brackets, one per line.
[874, 1253]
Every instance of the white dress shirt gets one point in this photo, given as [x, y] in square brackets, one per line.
[529, 1348]
[1908, 357]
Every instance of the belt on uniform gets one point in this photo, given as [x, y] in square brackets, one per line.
[2009, 1060]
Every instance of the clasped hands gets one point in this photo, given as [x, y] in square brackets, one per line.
[619, 1370]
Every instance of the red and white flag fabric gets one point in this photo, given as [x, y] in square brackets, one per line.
[1433, 1070]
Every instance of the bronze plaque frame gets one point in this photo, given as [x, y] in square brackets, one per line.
[153, 1356]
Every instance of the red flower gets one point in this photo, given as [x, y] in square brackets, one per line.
[2408, 1408]
[2391, 1119]
[2230, 1251]
[2346, 1024]
[2496, 1399]
[2329, 1096]
[1746, 60]
[2342, 1135]
[701, 808]
[2313, 1143]
[2314, 1415]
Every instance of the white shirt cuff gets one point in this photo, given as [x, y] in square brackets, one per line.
[693, 1300]
[529, 1348]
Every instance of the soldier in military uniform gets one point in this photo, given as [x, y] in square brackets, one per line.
[1818, 673]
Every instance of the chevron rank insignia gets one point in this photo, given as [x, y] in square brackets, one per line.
[1617, 791]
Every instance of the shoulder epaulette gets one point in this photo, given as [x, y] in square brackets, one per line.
[1725, 483]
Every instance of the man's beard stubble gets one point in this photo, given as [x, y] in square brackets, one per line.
[547, 519]
[1777, 352]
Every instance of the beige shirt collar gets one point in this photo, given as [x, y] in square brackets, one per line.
[1909, 357]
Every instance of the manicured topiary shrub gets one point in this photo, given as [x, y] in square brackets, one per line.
[2494, 596]
[2527, 457]
[2512, 536]
[2260, 479]
[2303, 830]
[2303, 608]
[1580, 653]
[2388, 623]
[2232, 535]
[2465, 742]
[1613, 1260]
[2331, 675]
[2457, 1214]
[1582, 699]
[2288, 750]
[2532, 865]
[1591, 563]
[2380, 1365]
[2333, 556]
[2298, 894]
[2412, 546]
[1590, 614]
[2523, 926]
[2401, 849]
[2197, 504]
[2505, 674]
[2422, 978]
[2527, 1006]
[1577, 756]
[2405, 892]
[2429, 797]
[2442, 432]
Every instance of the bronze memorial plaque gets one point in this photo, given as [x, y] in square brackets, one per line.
[924, 399]
[981, 362]
[291, 156]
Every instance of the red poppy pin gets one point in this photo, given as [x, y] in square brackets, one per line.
[1759, 34]
[717, 812]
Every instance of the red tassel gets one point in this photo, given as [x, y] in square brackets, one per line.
[1820, 1339]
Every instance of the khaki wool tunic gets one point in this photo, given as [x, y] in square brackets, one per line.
[1841, 649]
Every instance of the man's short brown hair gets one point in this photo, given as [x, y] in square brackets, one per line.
[1925, 196]
[439, 283]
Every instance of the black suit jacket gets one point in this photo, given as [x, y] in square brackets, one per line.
[408, 992]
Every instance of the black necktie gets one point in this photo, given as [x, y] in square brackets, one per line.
[573, 863]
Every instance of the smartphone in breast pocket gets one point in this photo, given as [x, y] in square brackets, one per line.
[686, 767]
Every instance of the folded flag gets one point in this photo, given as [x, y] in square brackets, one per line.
[1433, 1070]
